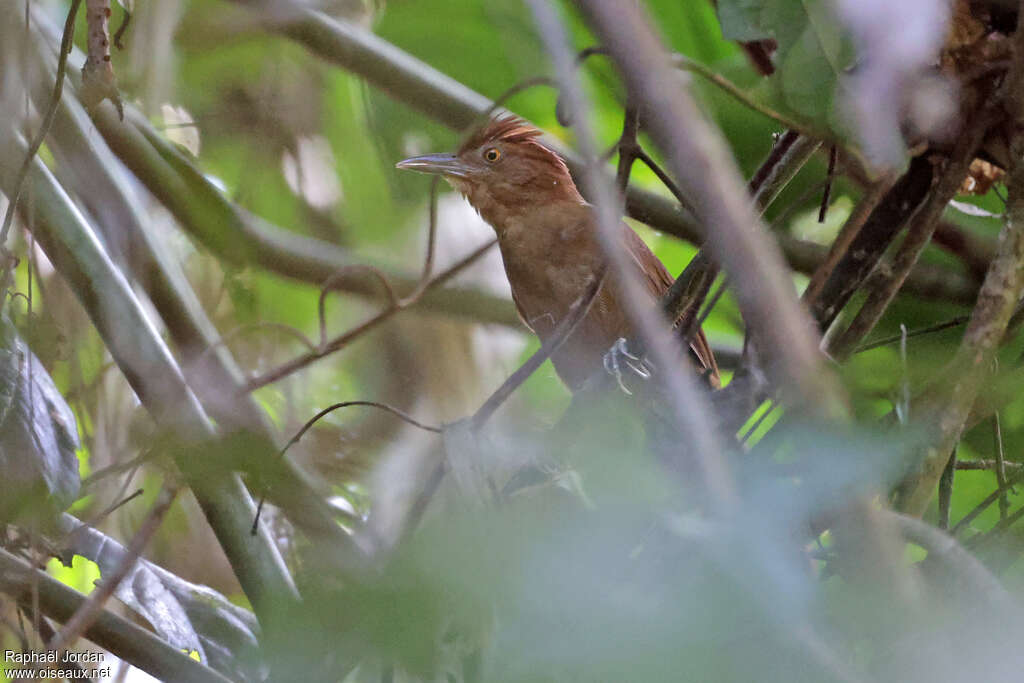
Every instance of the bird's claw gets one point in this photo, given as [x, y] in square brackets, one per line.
[618, 355]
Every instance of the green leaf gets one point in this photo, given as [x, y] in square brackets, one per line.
[741, 20]
[810, 56]
[812, 53]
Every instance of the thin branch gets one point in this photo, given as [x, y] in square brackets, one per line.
[405, 417]
[779, 220]
[14, 192]
[984, 465]
[781, 142]
[343, 340]
[126, 19]
[630, 150]
[687, 64]
[946, 491]
[709, 307]
[91, 609]
[997, 300]
[565, 328]
[664, 177]
[115, 634]
[504, 97]
[860, 246]
[1013, 480]
[428, 260]
[451, 103]
[588, 52]
[931, 329]
[830, 175]
[116, 505]
[884, 288]
[702, 163]
[978, 541]
[400, 414]
[789, 154]
[156, 378]
[419, 506]
[331, 284]
[629, 147]
[116, 468]
[253, 327]
[686, 294]
[690, 407]
[1000, 468]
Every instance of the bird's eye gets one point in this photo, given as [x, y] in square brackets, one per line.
[492, 154]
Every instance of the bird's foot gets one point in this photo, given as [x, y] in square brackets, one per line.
[618, 356]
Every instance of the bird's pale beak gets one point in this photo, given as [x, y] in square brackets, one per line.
[437, 164]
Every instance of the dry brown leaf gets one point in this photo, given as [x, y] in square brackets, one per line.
[980, 177]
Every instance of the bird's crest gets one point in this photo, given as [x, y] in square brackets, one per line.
[503, 128]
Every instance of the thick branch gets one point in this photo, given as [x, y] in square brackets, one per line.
[150, 369]
[240, 237]
[91, 171]
[90, 611]
[128, 641]
[919, 233]
[873, 238]
[841, 244]
[565, 327]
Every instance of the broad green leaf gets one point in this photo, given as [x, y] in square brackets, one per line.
[741, 19]
[811, 54]
[812, 49]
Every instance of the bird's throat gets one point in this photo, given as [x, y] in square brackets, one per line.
[506, 207]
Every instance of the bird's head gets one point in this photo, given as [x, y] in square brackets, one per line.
[502, 169]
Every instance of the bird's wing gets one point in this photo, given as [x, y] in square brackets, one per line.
[520, 312]
[653, 273]
[657, 280]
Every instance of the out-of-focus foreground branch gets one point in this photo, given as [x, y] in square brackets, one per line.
[703, 166]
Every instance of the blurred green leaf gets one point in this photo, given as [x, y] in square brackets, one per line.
[741, 19]
[812, 52]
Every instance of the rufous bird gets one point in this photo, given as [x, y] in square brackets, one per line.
[548, 238]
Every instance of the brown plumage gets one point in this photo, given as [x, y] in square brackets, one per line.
[547, 234]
